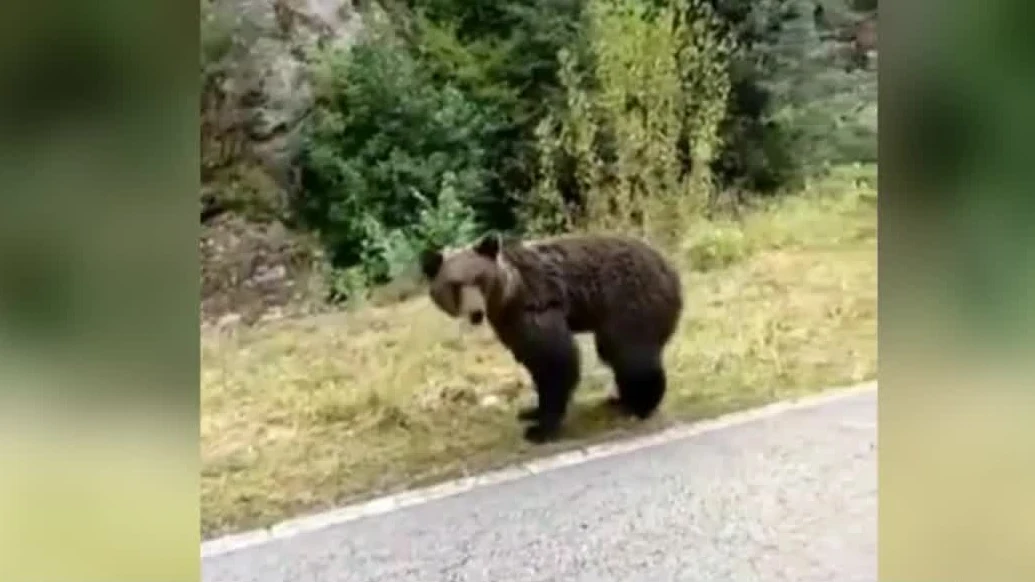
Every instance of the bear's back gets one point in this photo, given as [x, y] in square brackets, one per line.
[601, 281]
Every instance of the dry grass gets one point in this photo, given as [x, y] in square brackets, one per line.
[301, 415]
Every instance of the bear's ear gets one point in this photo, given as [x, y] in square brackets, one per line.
[430, 262]
[489, 246]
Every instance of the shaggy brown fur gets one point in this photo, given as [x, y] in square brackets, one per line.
[536, 295]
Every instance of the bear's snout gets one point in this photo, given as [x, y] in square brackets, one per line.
[477, 317]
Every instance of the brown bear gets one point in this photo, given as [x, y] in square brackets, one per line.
[537, 294]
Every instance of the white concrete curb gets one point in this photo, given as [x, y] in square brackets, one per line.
[295, 526]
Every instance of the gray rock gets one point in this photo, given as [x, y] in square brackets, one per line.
[267, 70]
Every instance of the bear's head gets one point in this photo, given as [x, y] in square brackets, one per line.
[468, 282]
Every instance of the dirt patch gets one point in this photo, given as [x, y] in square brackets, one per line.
[253, 270]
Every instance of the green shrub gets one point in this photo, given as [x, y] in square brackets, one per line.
[655, 96]
[382, 143]
[389, 254]
[547, 115]
[826, 115]
[504, 55]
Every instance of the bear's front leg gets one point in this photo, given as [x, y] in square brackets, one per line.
[547, 424]
[526, 413]
[552, 358]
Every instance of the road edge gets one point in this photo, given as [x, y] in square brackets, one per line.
[386, 504]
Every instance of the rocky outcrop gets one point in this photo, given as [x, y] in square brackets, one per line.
[258, 87]
[256, 95]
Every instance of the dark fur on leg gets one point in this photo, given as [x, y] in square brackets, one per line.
[641, 384]
[528, 413]
[555, 386]
[553, 362]
[645, 393]
[638, 374]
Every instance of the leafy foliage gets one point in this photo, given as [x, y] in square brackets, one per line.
[383, 142]
[503, 54]
[794, 108]
[548, 115]
[648, 111]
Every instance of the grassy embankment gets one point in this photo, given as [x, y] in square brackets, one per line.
[301, 415]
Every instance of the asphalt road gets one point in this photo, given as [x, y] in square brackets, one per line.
[791, 497]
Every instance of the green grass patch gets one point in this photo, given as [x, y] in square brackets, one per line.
[305, 414]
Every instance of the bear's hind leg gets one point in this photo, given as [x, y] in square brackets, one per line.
[528, 413]
[641, 381]
[606, 353]
[609, 350]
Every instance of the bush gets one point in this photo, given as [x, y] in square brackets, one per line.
[502, 54]
[756, 146]
[640, 130]
[541, 116]
[820, 114]
[383, 143]
[388, 253]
